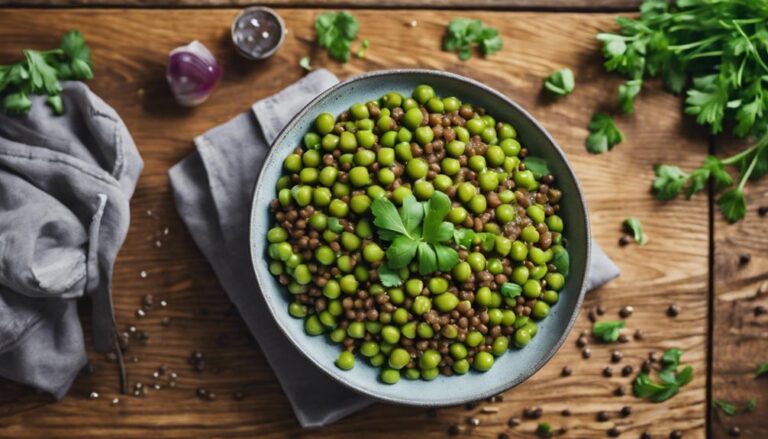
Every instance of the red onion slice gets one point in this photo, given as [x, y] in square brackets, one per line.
[192, 73]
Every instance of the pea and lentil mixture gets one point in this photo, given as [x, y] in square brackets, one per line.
[418, 234]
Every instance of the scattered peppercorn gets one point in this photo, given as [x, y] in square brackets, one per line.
[677, 434]
[620, 391]
[473, 421]
[673, 310]
[602, 416]
[625, 240]
[503, 436]
[600, 310]
[592, 316]
[567, 371]
[202, 392]
[626, 311]
[653, 357]
[513, 422]
[616, 356]
[734, 431]
[627, 370]
[581, 341]
[762, 210]
[759, 310]
[744, 258]
[645, 435]
[238, 396]
[533, 413]
[607, 372]
[586, 353]
[625, 411]
[639, 335]
[614, 432]
[453, 430]
[471, 405]
[566, 412]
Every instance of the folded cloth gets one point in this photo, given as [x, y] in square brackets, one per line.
[213, 188]
[65, 182]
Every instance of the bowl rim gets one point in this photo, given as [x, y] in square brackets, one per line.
[531, 370]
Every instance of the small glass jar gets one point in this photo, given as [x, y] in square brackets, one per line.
[258, 32]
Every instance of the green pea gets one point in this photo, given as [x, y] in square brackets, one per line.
[388, 139]
[362, 274]
[424, 135]
[295, 309]
[506, 196]
[413, 287]
[445, 302]
[540, 310]
[423, 189]
[458, 351]
[413, 118]
[483, 361]
[466, 191]
[369, 348]
[403, 151]
[500, 345]
[404, 135]
[476, 163]
[478, 204]
[437, 285]
[281, 251]
[435, 105]
[461, 367]
[302, 195]
[531, 327]
[390, 376]
[328, 176]
[318, 221]
[364, 125]
[430, 359]
[530, 234]
[507, 131]
[551, 297]
[324, 123]
[398, 358]
[489, 135]
[312, 326]
[277, 234]
[295, 288]
[423, 93]
[457, 215]
[507, 317]
[519, 251]
[536, 213]
[308, 175]
[345, 264]
[442, 182]
[378, 360]
[400, 194]
[474, 338]
[554, 223]
[539, 256]
[358, 111]
[302, 274]
[450, 166]
[511, 147]
[385, 156]
[373, 327]
[484, 296]
[363, 228]
[475, 126]
[338, 208]
[488, 181]
[335, 308]
[476, 261]
[292, 163]
[462, 271]
[525, 179]
[360, 204]
[556, 281]
[409, 330]
[325, 255]
[358, 176]
[505, 213]
[417, 168]
[376, 191]
[520, 275]
[285, 197]
[531, 289]
[495, 266]
[283, 182]
[356, 330]
[396, 295]
[503, 245]
[409, 103]
[347, 142]
[425, 331]
[495, 316]
[390, 334]
[522, 338]
[276, 268]
[451, 104]
[348, 284]
[538, 272]
[421, 305]
[327, 319]
[330, 142]
[456, 148]
[450, 332]
[373, 253]
[461, 133]
[311, 140]
[412, 374]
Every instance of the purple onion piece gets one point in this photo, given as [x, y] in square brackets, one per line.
[192, 73]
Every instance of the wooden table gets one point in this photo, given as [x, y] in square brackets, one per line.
[691, 259]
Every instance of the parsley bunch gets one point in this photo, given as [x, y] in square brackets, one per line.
[40, 72]
[671, 379]
[417, 229]
[335, 32]
[462, 34]
[717, 52]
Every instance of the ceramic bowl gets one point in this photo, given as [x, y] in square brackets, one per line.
[510, 369]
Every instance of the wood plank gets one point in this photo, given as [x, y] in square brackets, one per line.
[130, 48]
[741, 336]
[574, 5]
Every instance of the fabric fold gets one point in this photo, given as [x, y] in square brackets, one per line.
[213, 188]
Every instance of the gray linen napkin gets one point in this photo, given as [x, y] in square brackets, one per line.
[213, 188]
[65, 182]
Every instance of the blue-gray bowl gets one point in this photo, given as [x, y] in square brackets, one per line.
[510, 369]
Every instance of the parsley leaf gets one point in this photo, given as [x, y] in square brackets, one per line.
[510, 290]
[751, 405]
[538, 166]
[671, 379]
[724, 406]
[562, 261]
[607, 331]
[560, 82]
[669, 181]
[386, 216]
[335, 32]
[604, 134]
[634, 226]
[388, 277]
[364, 45]
[334, 225]
[544, 430]
[305, 63]
[462, 34]
[627, 93]
[707, 100]
[733, 205]
[762, 369]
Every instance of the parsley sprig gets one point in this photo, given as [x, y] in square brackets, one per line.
[717, 52]
[463, 33]
[634, 226]
[560, 82]
[607, 331]
[336, 31]
[417, 230]
[670, 379]
[40, 72]
[604, 134]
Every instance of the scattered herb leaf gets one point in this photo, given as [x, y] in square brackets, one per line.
[335, 32]
[560, 82]
[634, 226]
[544, 430]
[627, 93]
[751, 405]
[762, 370]
[305, 63]
[671, 379]
[607, 331]
[604, 134]
[364, 45]
[724, 406]
[538, 166]
[462, 34]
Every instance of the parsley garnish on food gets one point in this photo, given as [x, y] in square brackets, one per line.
[670, 379]
[538, 166]
[510, 290]
[633, 226]
[607, 331]
[724, 406]
[562, 261]
[40, 72]
[462, 34]
[335, 32]
[718, 50]
[560, 82]
[417, 230]
[762, 370]
[603, 134]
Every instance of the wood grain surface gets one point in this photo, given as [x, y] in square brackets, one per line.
[740, 334]
[130, 48]
[574, 5]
